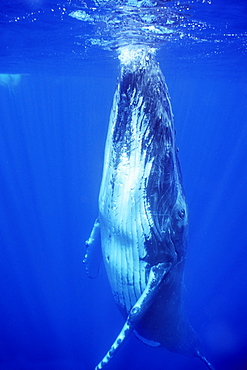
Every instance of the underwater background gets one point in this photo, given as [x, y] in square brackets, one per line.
[57, 82]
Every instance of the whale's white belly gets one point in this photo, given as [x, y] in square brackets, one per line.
[126, 223]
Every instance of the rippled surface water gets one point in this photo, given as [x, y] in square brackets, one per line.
[65, 33]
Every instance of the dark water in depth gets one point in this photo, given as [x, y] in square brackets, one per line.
[53, 123]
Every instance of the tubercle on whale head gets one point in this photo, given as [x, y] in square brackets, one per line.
[135, 54]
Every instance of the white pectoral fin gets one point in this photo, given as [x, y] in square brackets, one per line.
[93, 256]
[156, 275]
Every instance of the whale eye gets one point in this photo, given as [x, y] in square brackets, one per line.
[181, 213]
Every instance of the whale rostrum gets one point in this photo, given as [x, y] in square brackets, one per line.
[142, 224]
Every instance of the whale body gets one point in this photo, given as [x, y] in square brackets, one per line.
[142, 223]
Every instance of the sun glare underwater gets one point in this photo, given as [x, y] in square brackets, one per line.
[59, 67]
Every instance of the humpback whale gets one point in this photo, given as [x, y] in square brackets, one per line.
[141, 228]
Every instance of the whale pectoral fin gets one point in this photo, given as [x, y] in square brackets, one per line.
[156, 275]
[204, 360]
[93, 256]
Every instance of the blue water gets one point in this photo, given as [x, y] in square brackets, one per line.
[53, 123]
